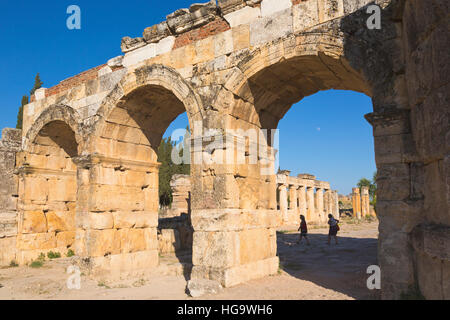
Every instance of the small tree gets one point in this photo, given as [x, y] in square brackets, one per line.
[168, 168]
[37, 84]
[20, 113]
[25, 100]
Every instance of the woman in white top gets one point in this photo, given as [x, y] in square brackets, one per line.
[334, 228]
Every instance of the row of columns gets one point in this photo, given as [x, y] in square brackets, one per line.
[361, 202]
[312, 202]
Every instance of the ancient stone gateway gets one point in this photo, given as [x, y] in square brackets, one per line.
[86, 172]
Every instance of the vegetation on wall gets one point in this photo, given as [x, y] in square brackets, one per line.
[25, 100]
[169, 168]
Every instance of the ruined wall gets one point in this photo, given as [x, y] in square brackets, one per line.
[427, 70]
[47, 193]
[9, 146]
[241, 65]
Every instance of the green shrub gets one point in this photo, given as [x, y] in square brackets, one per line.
[36, 264]
[70, 253]
[13, 264]
[53, 255]
[103, 284]
[41, 257]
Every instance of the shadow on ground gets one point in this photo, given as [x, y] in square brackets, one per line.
[341, 267]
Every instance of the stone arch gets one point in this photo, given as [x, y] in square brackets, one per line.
[270, 79]
[47, 176]
[55, 113]
[121, 167]
[143, 79]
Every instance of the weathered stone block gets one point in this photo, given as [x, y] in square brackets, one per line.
[36, 241]
[254, 245]
[60, 221]
[157, 32]
[201, 287]
[129, 44]
[132, 240]
[242, 16]
[34, 222]
[7, 250]
[169, 241]
[103, 242]
[270, 7]
[277, 25]
[305, 15]
[65, 239]
[216, 249]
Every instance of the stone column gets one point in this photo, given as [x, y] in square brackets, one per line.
[117, 215]
[335, 201]
[302, 200]
[293, 197]
[293, 206]
[328, 203]
[319, 203]
[234, 230]
[365, 202]
[311, 210]
[356, 200]
[181, 194]
[283, 201]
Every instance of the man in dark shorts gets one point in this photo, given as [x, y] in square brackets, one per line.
[334, 228]
[303, 230]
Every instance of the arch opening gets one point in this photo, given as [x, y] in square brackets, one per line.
[262, 94]
[48, 192]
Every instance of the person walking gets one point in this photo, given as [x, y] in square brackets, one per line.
[303, 230]
[334, 228]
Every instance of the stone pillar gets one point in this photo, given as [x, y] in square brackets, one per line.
[10, 144]
[365, 202]
[311, 210]
[283, 201]
[292, 217]
[293, 198]
[302, 201]
[117, 216]
[356, 200]
[399, 203]
[234, 225]
[335, 200]
[319, 204]
[181, 194]
[328, 203]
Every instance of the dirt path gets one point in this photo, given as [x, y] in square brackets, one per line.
[318, 271]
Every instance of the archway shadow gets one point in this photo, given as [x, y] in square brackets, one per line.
[183, 248]
[341, 268]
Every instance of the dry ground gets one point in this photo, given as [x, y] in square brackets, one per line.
[317, 271]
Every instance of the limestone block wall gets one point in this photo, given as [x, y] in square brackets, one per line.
[241, 65]
[47, 194]
[117, 216]
[9, 187]
[426, 45]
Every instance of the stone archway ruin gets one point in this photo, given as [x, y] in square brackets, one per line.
[236, 66]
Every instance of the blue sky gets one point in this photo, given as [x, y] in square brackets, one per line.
[35, 39]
